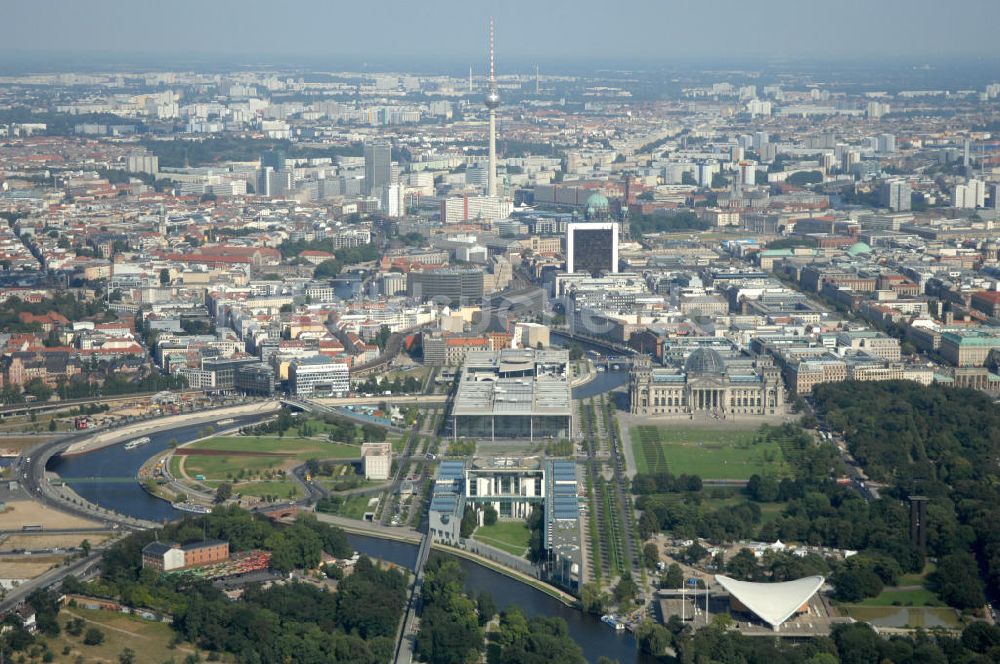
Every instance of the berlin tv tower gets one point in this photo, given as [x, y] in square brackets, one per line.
[492, 102]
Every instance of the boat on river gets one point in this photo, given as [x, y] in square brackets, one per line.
[138, 442]
[612, 621]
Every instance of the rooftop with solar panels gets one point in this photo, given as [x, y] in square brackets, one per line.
[513, 486]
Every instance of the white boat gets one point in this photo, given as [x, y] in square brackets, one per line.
[612, 621]
[138, 442]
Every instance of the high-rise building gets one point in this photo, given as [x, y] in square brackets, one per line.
[390, 200]
[886, 143]
[748, 173]
[275, 159]
[706, 172]
[143, 163]
[592, 248]
[970, 195]
[378, 167]
[895, 195]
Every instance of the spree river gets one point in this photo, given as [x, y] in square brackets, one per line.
[594, 637]
[107, 477]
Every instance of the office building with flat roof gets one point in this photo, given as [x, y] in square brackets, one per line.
[592, 248]
[446, 286]
[513, 486]
[514, 394]
[318, 375]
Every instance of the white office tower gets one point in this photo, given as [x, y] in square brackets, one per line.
[142, 163]
[876, 109]
[886, 143]
[828, 161]
[705, 173]
[492, 102]
[390, 201]
[760, 139]
[758, 107]
[895, 195]
[970, 195]
[748, 173]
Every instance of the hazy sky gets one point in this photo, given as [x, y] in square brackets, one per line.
[455, 30]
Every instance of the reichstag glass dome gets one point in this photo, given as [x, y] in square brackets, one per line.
[704, 361]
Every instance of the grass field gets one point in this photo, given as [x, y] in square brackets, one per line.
[279, 488]
[891, 597]
[355, 507]
[301, 448]
[509, 536]
[220, 467]
[174, 466]
[719, 454]
[149, 640]
[217, 467]
[917, 578]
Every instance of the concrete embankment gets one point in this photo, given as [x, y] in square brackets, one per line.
[580, 381]
[117, 435]
[549, 590]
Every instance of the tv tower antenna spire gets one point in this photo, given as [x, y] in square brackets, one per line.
[492, 102]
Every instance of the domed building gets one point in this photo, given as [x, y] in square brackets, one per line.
[597, 207]
[707, 384]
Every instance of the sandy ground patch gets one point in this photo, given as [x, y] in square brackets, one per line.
[36, 542]
[27, 512]
[27, 567]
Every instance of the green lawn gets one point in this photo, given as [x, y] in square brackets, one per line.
[509, 536]
[279, 488]
[175, 466]
[917, 579]
[768, 511]
[217, 467]
[355, 507]
[226, 467]
[723, 454]
[301, 448]
[890, 597]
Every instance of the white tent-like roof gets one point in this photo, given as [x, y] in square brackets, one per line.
[774, 603]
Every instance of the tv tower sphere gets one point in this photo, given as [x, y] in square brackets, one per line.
[492, 99]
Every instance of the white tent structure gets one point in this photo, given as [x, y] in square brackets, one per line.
[774, 603]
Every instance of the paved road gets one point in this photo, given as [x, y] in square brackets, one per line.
[81, 568]
[367, 527]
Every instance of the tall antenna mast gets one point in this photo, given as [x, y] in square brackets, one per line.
[492, 101]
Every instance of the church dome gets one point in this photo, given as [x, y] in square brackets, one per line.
[858, 248]
[597, 201]
[704, 361]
